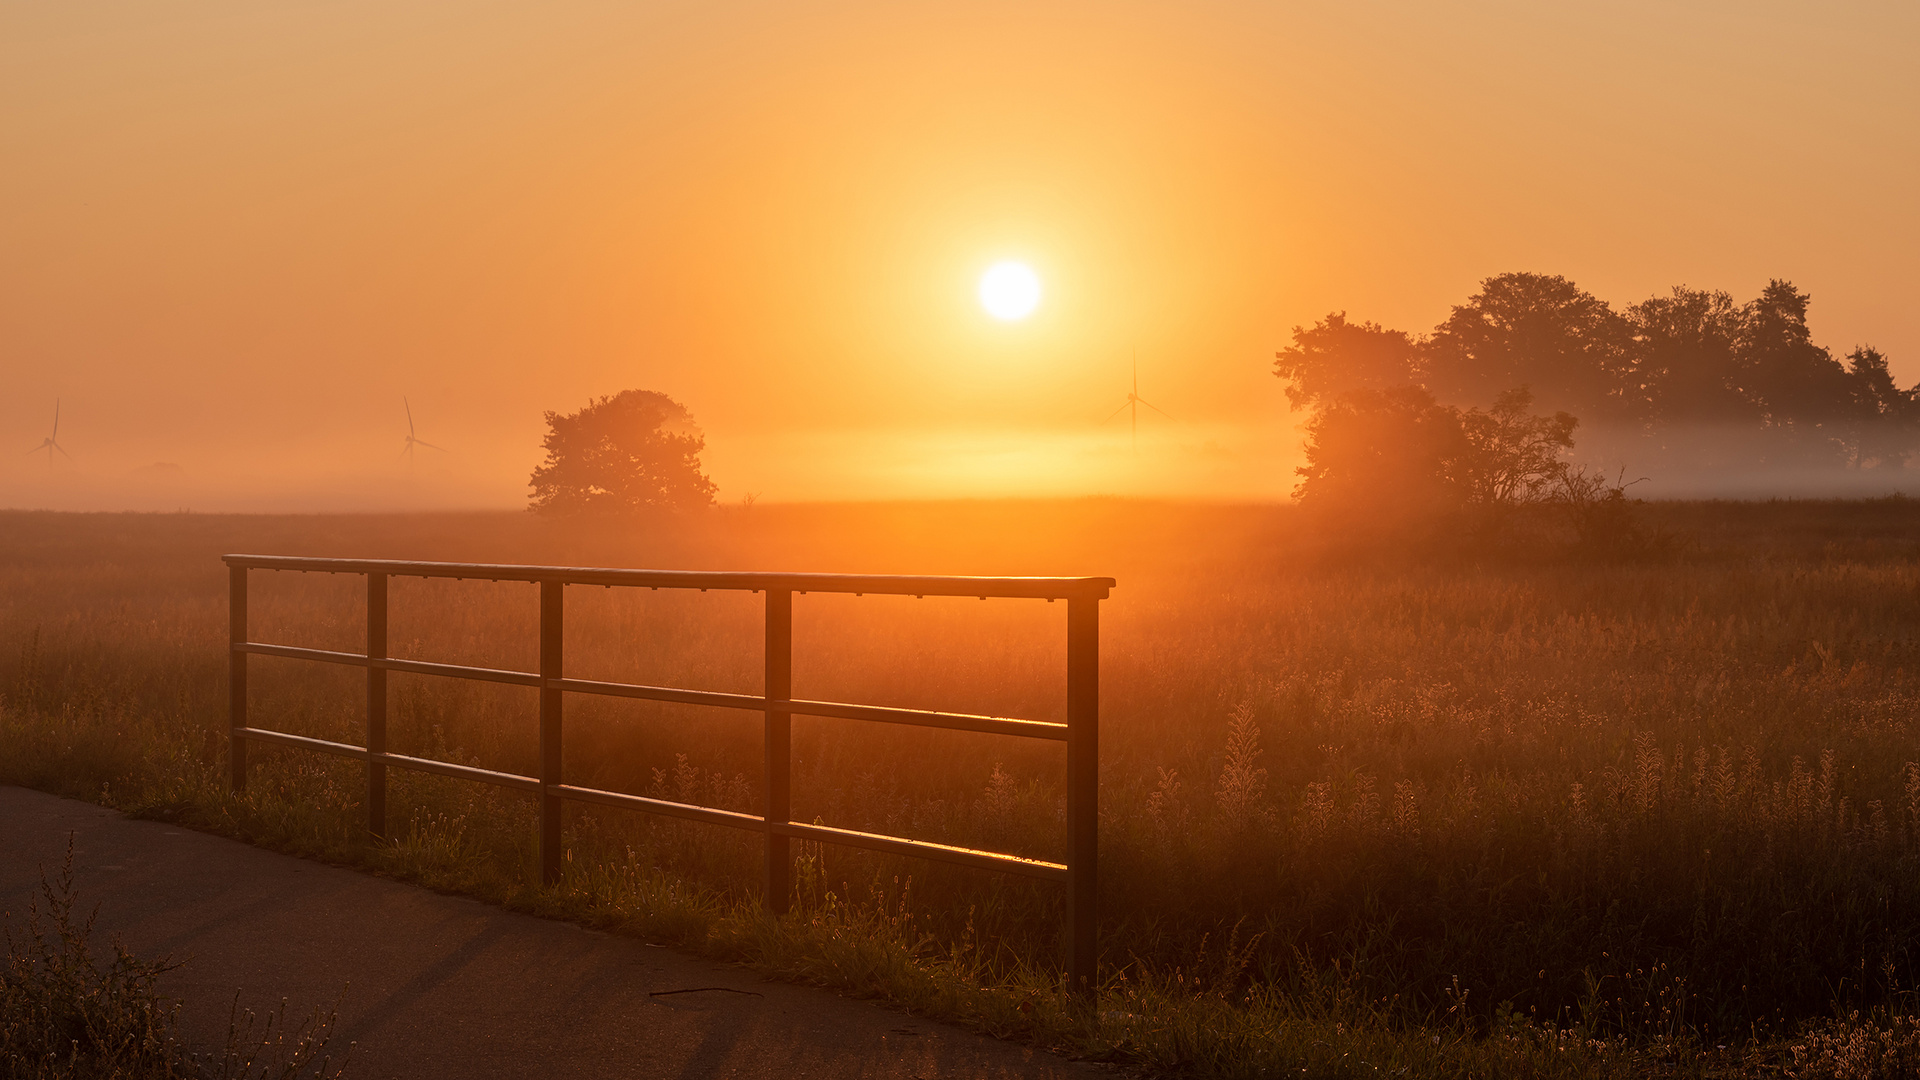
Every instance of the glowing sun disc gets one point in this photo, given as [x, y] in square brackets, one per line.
[1009, 290]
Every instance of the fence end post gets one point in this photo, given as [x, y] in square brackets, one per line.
[778, 765]
[236, 676]
[552, 619]
[376, 705]
[1083, 794]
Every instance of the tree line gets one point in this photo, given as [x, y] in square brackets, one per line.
[1693, 357]
[1442, 428]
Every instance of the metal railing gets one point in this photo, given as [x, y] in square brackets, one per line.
[1080, 733]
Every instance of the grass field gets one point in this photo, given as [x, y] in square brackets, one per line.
[1520, 814]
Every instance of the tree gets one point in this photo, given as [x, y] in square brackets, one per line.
[1391, 460]
[1797, 382]
[1512, 457]
[1540, 331]
[1336, 357]
[1689, 360]
[1381, 450]
[1886, 418]
[637, 450]
[1875, 395]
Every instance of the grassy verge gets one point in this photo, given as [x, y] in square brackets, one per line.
[1212, 1015]
[1206, 1018]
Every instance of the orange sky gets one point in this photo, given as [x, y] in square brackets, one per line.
[234, 235]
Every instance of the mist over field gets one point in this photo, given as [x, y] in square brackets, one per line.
[1688, 465]
[1726, 461]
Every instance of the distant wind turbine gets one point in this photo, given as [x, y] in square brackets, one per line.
[413, 441]
[52, 442]
[1134, 401]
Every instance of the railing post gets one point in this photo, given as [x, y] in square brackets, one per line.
[552, 617]
[237, 676]
[376, 705]
[779, 751]
[1083, 792]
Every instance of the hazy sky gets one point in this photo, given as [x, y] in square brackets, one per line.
[233, 236]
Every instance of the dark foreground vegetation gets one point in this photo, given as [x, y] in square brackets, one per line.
[66, 1013]
[1520, 809]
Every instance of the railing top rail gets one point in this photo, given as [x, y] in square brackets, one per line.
[1049, 588]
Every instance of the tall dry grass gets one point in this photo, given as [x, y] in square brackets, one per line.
[1671, 801]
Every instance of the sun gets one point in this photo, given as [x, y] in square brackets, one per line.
[1009, 290]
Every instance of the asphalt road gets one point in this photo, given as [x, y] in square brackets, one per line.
[432, 986]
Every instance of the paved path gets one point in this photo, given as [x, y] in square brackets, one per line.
[436, 986]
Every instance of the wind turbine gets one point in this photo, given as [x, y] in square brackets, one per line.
[411, 440]
[1134, 401]
[51, 442]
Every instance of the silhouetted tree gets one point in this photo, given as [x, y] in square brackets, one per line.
[1538, 331]
[1874, 393]
[1682, 374]
[1382, 457]
[1337, 357]
[1796, 381]
[1387, 459]
[1886, 427]
[637, 450]
[1512, 457]
[1688, 358]
[1379, 447]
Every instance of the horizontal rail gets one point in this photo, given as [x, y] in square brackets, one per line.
[404, 761]
[464, 772]
[419, 667]
[707, 814]
[897, 845]
[295, 652]
[672, 694]
[460, 671]
[927, 849]
[1043, 588]
[338, 749]
[990, 725]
